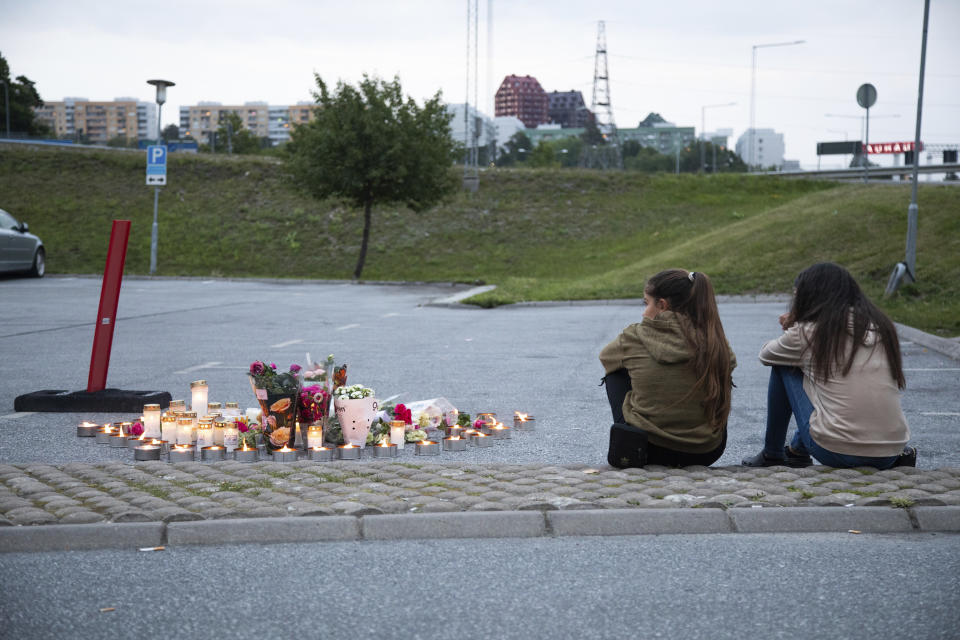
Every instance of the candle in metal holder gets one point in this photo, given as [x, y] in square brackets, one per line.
[501, 432]
[454, 443]
[163, 444]
[104, 434]
[125, 427]
[214, 453]
[523, 422]
[348, 452]
[285, 455]
[468, 434]
[246, 455]
[146, 452]
[487, 418]
[455, 430]
[118, 440]
[385, 450]
[87, 430]
[135, 441]
[151, 420]
[427, 448]
[483, 440]
[182, 453]
[321, 454]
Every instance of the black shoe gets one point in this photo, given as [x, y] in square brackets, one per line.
[907, 458]
[796, 460]
[762, 460]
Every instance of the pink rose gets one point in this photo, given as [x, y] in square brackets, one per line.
[136, 428]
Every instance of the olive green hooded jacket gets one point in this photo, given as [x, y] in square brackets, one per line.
[663, 401]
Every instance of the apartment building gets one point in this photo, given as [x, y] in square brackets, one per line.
[263, 120]
[568, 109]
[100, 121]
[523, 97]
[763, 149]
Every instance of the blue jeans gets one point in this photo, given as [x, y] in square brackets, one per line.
[786, 397]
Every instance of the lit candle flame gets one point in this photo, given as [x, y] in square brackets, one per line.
[155, 441]
[522, 417]
[384, 444]
[454, 438]
[285, 449]
[347, 446]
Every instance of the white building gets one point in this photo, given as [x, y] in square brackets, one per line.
[507, 126]
[471, 129]
[767, 149]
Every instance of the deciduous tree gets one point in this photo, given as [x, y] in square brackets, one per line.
[368, 144]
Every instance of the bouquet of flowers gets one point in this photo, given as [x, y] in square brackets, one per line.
[277, 394]
[353, 392]
[314, 404]
[248, 432]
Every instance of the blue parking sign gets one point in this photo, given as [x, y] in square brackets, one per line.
[156, 165]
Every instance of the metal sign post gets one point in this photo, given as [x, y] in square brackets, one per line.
[866, 98]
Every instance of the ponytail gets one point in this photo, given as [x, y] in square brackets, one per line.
[690, 294]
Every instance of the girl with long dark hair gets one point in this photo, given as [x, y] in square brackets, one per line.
[669, 377]
[837, 369]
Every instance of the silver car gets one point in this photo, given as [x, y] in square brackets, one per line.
[20, 251]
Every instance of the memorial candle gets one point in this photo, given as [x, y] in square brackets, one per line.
[151, 420]
[398, 430]
[198, 393]
[185, 431]
[168, 428]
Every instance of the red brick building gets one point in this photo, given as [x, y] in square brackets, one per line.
[523, 97]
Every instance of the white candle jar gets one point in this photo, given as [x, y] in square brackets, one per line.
[168, 428]
[198, 393]
[193, 419]
[219, 425]
[231, 410]
[177, 406]
[204, 434]
[398, 433]
[231, 436]
[151, 420]
[185, 431]
[314, 436]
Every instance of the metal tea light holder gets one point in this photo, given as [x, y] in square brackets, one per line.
[385, 450]
[285, 455]
[146, 453]
[454, 443]
[321, 454]
[482, 440]
[182, 453]
[427, 448]
[104, 434]
[246, 455]
[214, 453]
[348, 452]
[87, 430]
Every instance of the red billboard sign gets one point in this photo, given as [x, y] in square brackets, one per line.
[891, 147]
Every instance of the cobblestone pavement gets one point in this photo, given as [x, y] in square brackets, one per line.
[80, 493]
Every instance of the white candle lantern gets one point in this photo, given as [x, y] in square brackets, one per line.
[214, 409]
[168, 428]
[398, 431]
[218, 427]
[185, 431]
[151, 420]
[195, 421]
[231, 410]
[314, 436]
[177, 406]
[204, 434]
[198, 392]
[231, 436]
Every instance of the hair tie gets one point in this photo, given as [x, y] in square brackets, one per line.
[691, 274]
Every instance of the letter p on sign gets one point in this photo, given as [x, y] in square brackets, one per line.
[156, 165]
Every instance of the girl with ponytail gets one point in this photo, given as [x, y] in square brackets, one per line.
[669, 377]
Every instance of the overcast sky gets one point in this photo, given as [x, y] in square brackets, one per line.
[672, 57]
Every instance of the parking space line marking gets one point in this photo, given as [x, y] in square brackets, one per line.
[346, 326]
[205, 365]
[285, 344]
[18, 414]
[390, 315]
[940, 413]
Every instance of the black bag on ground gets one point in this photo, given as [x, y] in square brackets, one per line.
[628, 446]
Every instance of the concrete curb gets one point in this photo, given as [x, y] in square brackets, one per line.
[77, 537]
[486, 524]
[489, 524]
[264, 530]
[946, 346]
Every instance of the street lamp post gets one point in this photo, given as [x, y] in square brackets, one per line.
[703, 134]
[753, 88]
[161, 86]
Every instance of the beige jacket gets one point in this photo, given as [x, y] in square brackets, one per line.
[663, 401]
[857, 414]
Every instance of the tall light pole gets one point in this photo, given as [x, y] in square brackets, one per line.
[753, 88]
[161, 86]
[703, 133]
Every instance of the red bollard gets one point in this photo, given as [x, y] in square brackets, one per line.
[107, 313]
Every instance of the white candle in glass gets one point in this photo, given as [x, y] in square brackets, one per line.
[198, 391]
[204, 434]
[314, 436]
[398, 432]
[231, 410]
[231, 436]
[168, 428]
[195, 421]
[151, 420]
[185, 431]
[218, 427]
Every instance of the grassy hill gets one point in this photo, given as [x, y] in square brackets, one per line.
[538, 235]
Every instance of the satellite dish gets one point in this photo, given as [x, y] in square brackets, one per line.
[866, 95]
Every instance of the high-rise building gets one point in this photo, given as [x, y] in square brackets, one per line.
[263, 120]
[472, 130]
[767, 149]
[100, 121]
[523, 97]
[568, 109]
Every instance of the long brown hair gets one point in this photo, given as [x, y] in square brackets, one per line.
[690, 294]
[828, 297]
